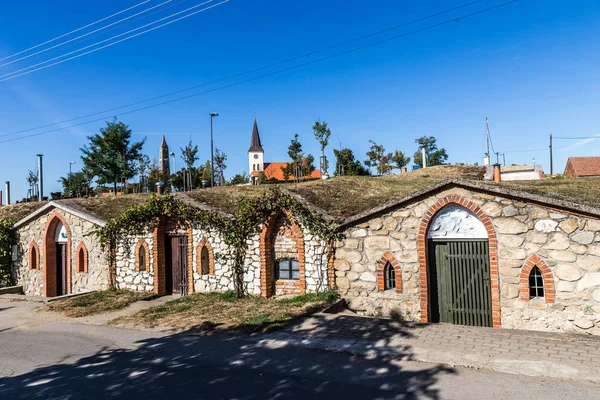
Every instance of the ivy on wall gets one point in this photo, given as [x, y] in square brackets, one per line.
[247, 222]
[7, 239]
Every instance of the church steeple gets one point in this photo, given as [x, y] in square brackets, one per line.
[255, 145]
[163, 159]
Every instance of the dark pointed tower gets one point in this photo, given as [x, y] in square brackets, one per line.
[256, 159]
[163, 159]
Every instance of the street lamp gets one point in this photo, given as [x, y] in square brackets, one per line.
[212, 157]
[172, 154]
[70, 173]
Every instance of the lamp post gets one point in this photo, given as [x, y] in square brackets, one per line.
[212, 157]
[70, 173]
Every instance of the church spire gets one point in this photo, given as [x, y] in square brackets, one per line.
[255, 145]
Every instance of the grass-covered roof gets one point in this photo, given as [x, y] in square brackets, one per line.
[15, 212]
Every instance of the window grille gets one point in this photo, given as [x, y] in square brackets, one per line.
[287, 269]
[536, 283]
[390, 276]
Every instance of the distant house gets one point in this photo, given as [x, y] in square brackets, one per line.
[579, 167]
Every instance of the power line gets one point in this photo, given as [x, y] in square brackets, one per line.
[577, 138]
[12, 75]
[76, 30]
[304, 55]
[454, 20]
[84, 35]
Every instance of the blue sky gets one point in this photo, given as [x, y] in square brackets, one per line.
[531, 67]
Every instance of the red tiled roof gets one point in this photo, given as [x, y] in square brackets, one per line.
[273, 171]
[582, 166]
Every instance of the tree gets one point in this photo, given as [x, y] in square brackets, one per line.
[378, 158]
[240, 179]
[189, 155]
[302, 164]
[322, 133]
[111, 156]
[346, 164]
[75, 184]
[400, 160]
[434, 156]
[205, 172]
[32, 180]
[155, 175]
[220, 165]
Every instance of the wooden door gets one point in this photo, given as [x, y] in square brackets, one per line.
[177, 250]
[61, 269]
[460, 283]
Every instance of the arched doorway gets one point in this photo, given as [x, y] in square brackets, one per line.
[57, 257]
[459, 268]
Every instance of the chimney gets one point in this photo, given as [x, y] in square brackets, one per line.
[7, 191]
[40, 178]
[497, 178]
[159, 188]
[424, 157]
[0, 197]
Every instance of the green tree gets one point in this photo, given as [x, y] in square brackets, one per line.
[400, 160]
[205, 172]
[378, 158]
[322, 134]
[346, 164]
[32, 180]
[75, 184]
[239, 179]
[302, 164]
[434, 155]
[7, 239]
[220, 166]
[155, 175]
[189, 155]
[110, 155]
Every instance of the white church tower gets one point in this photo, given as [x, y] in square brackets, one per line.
[256, 156]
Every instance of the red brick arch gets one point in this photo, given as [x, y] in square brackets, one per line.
[267, 273]
[535, 261]
[50, 289]
[211, 257]
[142, 243]
[159, 265]
[423, 252]
[388, 258]
[81, 258]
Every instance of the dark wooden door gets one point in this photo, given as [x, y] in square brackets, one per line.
[61, 269]
[177, 249]
[460, 289]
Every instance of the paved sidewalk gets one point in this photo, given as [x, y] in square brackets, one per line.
[519, 352]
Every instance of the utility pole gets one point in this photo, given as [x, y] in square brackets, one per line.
[551, 160]
[486, 160]
[212, 157]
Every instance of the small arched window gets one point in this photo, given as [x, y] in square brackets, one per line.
[142, 259]
[34, 256]
[204, 261]
[81, 262]
[536, 283]
[389, 276]
[81, 258]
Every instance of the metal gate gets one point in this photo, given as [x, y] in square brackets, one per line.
[460, 272]
[177, 257]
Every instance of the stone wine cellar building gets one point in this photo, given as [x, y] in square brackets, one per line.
[418, 247]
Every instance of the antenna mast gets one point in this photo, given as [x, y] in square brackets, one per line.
[486, 159]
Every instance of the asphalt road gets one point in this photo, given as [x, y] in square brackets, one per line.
[40, 359]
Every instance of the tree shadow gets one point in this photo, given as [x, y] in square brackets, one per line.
[191, 366]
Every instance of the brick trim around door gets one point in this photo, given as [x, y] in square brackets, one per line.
[423, 254]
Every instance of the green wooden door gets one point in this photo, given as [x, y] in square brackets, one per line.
[462, 278]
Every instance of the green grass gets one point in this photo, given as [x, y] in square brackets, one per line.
[219, 312]
[96, 302]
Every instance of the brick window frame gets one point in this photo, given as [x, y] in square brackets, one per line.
[204, 243]
[549, 291]
[423, 254]
[50, 254]
[34, 256]
[142, 243]
[388, 258]
[81, 259]
[267, 267]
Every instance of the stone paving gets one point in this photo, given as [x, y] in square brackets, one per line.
[520, 352]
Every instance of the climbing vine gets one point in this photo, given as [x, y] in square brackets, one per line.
[236, 231]
[7, 238]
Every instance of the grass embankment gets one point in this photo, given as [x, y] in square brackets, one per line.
[96, 302]
[214, 312]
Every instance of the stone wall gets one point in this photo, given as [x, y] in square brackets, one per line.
[222, 279]
[568, 244]
[126, 275]
[96, 277]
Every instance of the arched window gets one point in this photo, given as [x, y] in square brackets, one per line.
[34, 256]
[536, 283]
[142, 259]
[389, 276]
[204, 261]
[81, 258]
[142, 256]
